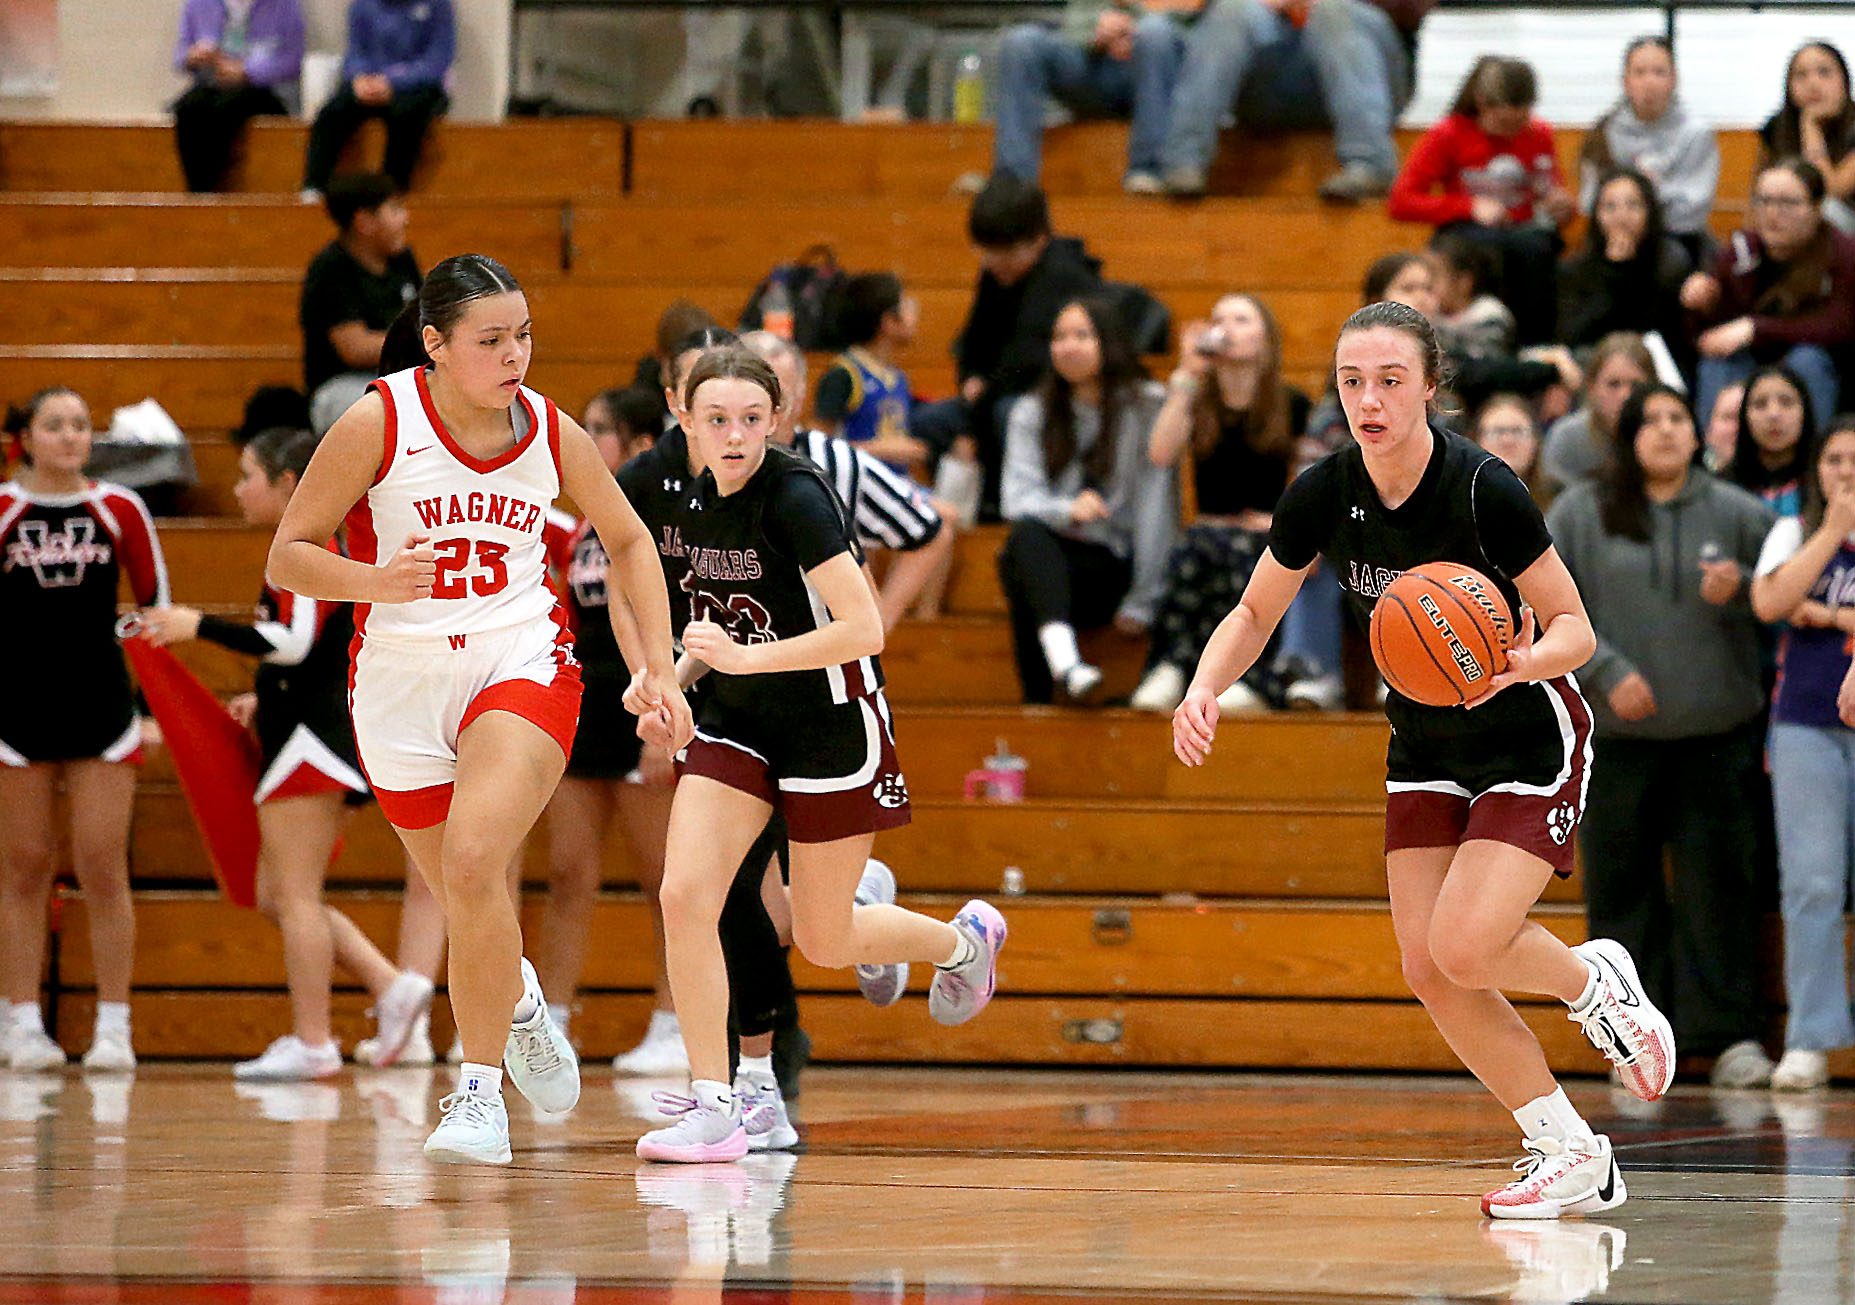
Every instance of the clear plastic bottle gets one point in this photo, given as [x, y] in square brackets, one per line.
[776, 310]
[969, 89]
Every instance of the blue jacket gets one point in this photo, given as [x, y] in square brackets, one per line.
[409, 42]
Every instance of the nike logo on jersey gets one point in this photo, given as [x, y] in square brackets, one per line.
[420, 449]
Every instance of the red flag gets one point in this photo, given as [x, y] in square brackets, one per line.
[217, 760]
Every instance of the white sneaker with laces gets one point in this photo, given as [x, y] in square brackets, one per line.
[290, 1060]
[961, 992]
[660, 1054]
[1579, 1176]
[31, 1051]
[474, 1130]
[110, 1052]
[396, 1014]
[1622, 1023]
[1742, 1065]
[1799, 1070]
[541, 1063]
[881, 985]
[701, 1134]
[763, 1114]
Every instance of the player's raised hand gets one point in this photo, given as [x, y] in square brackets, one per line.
[411, 573]
[1194, 725]
[1519, 663]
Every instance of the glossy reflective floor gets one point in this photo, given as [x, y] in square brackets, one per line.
[942, 1186]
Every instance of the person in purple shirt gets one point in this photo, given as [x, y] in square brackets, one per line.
[245, 58]
[398, 54]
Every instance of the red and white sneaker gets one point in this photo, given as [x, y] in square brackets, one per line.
[1623, 1023]
[1560, 1178]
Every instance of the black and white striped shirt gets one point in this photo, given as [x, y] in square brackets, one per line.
[888, 509]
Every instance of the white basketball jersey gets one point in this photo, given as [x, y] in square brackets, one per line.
[485, 518]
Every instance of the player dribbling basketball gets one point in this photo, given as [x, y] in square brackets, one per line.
[1481, 801]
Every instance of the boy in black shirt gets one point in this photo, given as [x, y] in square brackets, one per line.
[353, 290]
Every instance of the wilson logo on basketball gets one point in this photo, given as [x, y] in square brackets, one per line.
[1458, 651]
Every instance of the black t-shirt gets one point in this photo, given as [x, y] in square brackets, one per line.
[337, 289]
[1469, 508]
[747, 556]
[659, 485]
[1235, 476]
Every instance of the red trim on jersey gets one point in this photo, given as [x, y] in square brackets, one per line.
[306, 781]
[363, 546]
[554, 706]
[463, 455]
[391, 438]
[418, 808]
[553, 434]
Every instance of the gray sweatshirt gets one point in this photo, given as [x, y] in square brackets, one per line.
[1143, 501]
[1570, 455]
[1675, 152]
[1701, 660]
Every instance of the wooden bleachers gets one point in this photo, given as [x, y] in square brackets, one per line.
[1232, 915]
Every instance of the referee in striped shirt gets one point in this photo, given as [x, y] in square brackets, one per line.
[887, 508]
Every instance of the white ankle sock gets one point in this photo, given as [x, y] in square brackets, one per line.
[480, 1080]
[715, 1096]
[1060, 652]
[1590, 988]
[525, 1006]
[27, 1017]
[759, 1067]
[561, 1014]
[1552, 1116]
[112, 1016]
[964, 950]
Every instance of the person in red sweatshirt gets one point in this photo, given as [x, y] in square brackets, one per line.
[1489, 171]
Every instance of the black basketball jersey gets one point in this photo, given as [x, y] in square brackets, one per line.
[746, 557]
[1469, 508]
[659, 484]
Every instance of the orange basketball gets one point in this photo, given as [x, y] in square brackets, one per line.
[1440, 632]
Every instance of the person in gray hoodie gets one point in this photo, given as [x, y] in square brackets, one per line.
[1662, 552]
[1650, 130]
[1092, 518]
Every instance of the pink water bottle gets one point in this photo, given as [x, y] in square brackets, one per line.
[1001, 779]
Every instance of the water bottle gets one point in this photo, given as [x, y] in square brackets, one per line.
[776, 310]
[969, 89]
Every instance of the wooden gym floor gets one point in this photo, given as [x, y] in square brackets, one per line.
[936, 1186]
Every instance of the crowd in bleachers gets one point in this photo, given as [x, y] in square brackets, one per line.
[1673, 396]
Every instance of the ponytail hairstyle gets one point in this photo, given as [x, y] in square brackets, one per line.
[732, 361]
[457, 282]
[1395, 316]
[1120, 371]
[704, 339]
[1622, 489]
[404, 345]
[20, 416]
[282, 449]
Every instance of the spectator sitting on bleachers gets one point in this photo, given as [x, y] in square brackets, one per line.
[1091, 517]
[680, 320]
[1026, 275]
[1777, 430]
[864, 396]
[1649, 131]
[1505, 427]
[1628, 276]
[1232, 421]
[1817, 124]
[1344, 64]
[1108, 60]
[398, 54]
[1578, 444]
[1489, 171]
[1677, 699]
[1781, 291]
[353, 290]
[1470, 319]
[245, 58]
[1806, 577]
[1722, 437]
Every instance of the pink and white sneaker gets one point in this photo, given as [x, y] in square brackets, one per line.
[701, 1134]
[1560, 1178]
[962, 992]
[1623, 1023]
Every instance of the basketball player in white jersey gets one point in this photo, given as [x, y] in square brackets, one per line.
[463, 685]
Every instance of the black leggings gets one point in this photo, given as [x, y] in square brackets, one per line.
[208, 121]
[761, 996]
[408, 116]
[1050, 577]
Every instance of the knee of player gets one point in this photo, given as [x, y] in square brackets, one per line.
[28, 864]
[1461, 957]
[1421, 974]
[828, 946]
[473, 869]
[687, 903]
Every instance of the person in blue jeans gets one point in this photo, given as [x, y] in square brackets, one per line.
[1105, 61]
[1296, 63]
[1806, 577]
